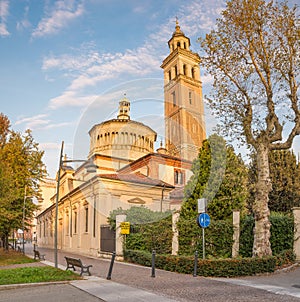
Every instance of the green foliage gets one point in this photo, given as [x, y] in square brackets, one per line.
[219, 176]
[253, 55]
[282, 234]
[190, 238]
[246, 236]
[217, 246]
[285, 178]
[21, 167]
[137, 215]
[208, 268]
[149, 230]
[35, 274]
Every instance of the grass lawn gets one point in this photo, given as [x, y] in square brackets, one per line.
[35, 274]
[13, 257]
[29, 274]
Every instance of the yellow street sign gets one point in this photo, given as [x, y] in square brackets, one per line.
[125, 227]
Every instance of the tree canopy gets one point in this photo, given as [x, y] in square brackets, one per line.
[220, 176]
[253, 55]
[21, 169]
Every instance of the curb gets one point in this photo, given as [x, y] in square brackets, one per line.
[12, 286]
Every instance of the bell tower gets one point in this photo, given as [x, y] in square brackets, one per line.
[184, 109]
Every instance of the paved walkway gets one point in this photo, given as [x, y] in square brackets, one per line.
[134, 283]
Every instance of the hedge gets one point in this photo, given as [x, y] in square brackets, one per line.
[211, 268]
[282, 234]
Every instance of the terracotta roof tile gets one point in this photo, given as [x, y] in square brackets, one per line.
[137, 178]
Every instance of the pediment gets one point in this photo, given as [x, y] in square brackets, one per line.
[137, 200]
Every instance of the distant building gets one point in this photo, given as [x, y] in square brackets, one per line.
[129, 171]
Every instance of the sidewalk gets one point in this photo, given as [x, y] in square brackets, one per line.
[134, 283]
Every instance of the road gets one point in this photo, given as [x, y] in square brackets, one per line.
[134, 283]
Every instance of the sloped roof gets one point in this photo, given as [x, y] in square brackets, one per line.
[137, 178]
[143, 161]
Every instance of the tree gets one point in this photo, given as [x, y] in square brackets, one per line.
[220, 176]
[254, 58]
[21, 169]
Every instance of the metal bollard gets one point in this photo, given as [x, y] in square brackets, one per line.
[195, 264]
[153, 264]
[111, 266]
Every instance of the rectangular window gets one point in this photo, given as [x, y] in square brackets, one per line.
[178, 177]
[75, 222]
[86, 219]
[94, 218]
[174, 98]
[190, 97]
[67, 224]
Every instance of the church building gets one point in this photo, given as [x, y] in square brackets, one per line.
[129, 171]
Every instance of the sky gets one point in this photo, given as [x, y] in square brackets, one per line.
[65, 64]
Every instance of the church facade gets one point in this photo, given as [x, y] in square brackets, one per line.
[129, 171]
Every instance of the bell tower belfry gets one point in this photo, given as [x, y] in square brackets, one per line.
[184, 109]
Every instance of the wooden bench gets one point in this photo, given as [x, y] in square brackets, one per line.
[72, 262]
[19, 249]
[37, 255]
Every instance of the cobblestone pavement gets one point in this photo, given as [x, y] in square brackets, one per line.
[182, 287]
[134, 283]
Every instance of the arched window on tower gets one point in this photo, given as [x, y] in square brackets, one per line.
[193, 72]
[184, 45]
[174, 98]
[184, 69]
[178, 44]
[175, 68]
[170, 76]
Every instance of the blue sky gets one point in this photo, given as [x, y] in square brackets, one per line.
[66, 64]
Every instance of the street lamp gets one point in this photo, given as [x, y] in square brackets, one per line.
[91, 168]
[23, 218]
[23, 221]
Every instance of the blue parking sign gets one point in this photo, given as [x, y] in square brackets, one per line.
[203, 220]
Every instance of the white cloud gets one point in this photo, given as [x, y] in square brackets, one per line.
[59, 17]
[4, 5]
[86, 67]
[40, 121]
[33, 121]
[71, 99]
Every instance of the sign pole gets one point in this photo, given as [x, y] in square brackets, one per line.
[203, 220]
[203, 243]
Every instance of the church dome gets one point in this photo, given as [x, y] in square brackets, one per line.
[122, 137]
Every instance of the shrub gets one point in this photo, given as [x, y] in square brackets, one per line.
[282, 233]
[212, 268]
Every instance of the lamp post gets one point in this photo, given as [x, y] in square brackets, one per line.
[23, 218]
[90, 168]
[23, 222]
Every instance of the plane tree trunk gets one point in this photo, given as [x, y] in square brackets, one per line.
[261, 244]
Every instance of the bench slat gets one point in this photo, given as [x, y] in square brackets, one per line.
[38, 255]
[72, 262]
